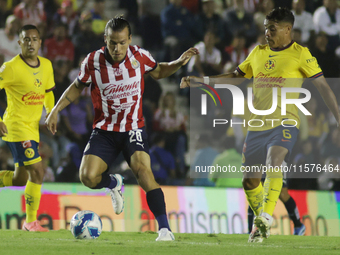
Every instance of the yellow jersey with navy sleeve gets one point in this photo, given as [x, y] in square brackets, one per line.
[272, 68]
[25, 87]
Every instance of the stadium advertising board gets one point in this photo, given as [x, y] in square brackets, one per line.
[190, 209]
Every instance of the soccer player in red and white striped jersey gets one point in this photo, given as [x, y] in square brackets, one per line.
[115, 74]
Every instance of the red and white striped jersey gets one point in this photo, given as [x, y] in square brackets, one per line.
[117, 88]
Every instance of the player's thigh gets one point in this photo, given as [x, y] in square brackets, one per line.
[92, 166]
[100, 152]
[276, 155]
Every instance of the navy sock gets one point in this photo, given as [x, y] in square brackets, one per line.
[155, 199]
[250, 219]
[293, 212]
[108, 181]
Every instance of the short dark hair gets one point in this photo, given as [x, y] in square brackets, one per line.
[281, 14]
[28, 27]
[118, 23]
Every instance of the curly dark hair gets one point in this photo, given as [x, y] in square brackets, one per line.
[281, 14]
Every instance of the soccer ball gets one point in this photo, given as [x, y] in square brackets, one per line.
[86, 225]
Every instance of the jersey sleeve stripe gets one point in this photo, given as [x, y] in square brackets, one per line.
[147, 58]
[84, 74]
[49, 90]
[83, 83]
[240, 71]
[156, 64]
[317, 75]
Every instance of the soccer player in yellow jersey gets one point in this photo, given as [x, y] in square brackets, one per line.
[28, 81]
[279, 64]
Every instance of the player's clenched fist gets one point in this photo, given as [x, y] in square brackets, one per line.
[191, 81]
[185, 82]
[3, 129]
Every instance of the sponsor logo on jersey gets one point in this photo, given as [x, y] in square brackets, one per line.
[26, 144]
[270, 65]
[113, 88]
[33, 98]
[266, 81]
[29, 153]
[122, 106]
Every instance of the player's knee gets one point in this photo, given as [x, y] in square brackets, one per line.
[89, 179]
[20, 180]
[275, 173]
[36, 172]
[250, 183]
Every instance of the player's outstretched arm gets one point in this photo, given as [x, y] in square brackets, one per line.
[165, 69]
[328, 97]
[70, 94]
[227, 78]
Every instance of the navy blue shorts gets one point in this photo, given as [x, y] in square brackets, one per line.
[257, 144]
[24, 153]
[108, 144]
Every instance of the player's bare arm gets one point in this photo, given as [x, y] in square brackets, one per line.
[70, 94]
[3, 129]
[328, 97]
[227, 78]
[165, 69]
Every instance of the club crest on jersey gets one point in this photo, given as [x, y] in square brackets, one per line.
[134, 63]
[117, 71]
[37, 83]
[270, 65]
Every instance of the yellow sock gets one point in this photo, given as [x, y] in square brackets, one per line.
[32, 198]
[255, 199]
[272, 190]
[6, 178]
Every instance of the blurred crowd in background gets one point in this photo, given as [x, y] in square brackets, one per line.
[224, 31]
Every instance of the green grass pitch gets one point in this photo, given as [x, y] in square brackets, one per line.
[62, 242]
